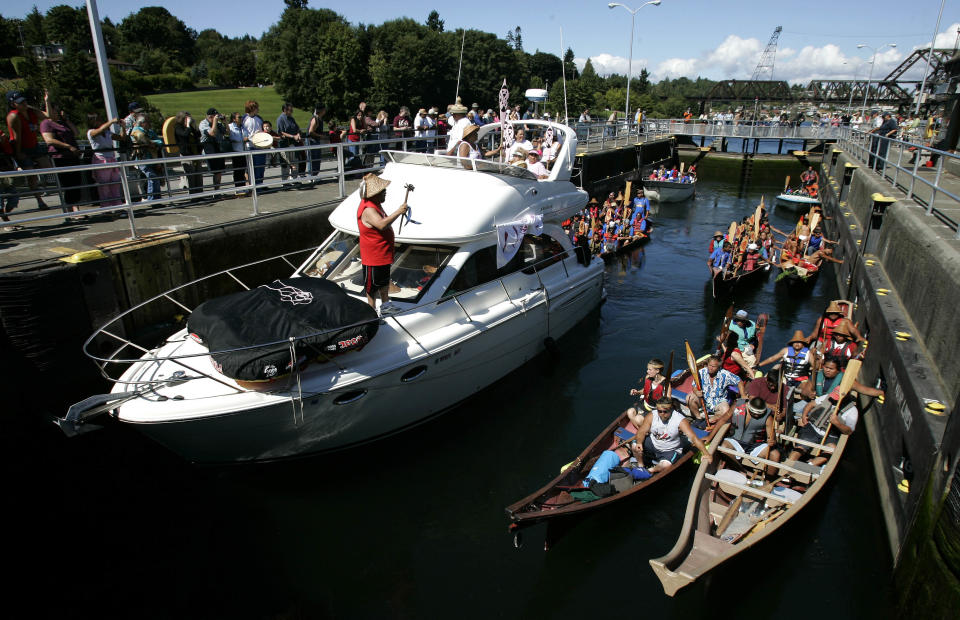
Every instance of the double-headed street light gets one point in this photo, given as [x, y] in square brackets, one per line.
[863, 109]
[633, 13]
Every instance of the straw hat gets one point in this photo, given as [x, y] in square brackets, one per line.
[798, 336]
[457, 108]
[469, 131]
[834, 307]
[719, 233]
[372, 185]
[843, 329]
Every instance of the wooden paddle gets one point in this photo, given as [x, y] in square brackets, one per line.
[786, 184]
[725, 327]
[756, 219]
[692, 366]
[669, 390]
[849, 376]
[733, 508]
[761, 329]
[759, 525]
[732, 232]
[682, 164]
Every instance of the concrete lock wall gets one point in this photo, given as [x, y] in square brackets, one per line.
[905, 280]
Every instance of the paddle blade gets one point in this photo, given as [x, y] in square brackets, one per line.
[786, 184]
[732, 232]
[849, 376]
[692, 364]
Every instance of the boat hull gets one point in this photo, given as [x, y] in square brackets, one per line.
[668, 191]
[385, 404]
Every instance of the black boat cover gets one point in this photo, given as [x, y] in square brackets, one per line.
[293, 307]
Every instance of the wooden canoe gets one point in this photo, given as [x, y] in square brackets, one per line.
[725, 282]
[554, 500]
[626, 245]
[699, 549]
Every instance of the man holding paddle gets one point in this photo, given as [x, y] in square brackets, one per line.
[825, 421]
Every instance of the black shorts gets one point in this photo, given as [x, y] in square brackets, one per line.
[216, 164]
[808, 434]
[375, 278]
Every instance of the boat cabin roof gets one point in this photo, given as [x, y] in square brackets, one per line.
[451, 203]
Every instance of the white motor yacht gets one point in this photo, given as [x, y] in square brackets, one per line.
[463, 322]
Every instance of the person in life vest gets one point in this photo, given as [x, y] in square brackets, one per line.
[376, 240]
[753, 431]
[832, 317]
[817, 387]
[654, 387]
[811, 181]
[841, 347]
[796, 359]
[818, 415]
[716, 241]
[658, 439]
[720, 258]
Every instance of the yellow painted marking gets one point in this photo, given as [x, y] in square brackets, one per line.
[870, 262]
[903, 335]
[904, 486]
[852, 226]
[935, 407]
[883, 291]
[858, 242]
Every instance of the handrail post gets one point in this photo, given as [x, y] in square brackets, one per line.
[341, 186]
[252, 181]
[936, 184]
[913, 176]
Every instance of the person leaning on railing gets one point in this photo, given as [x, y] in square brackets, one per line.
[215, 139]
[238, 162]
[187, 137]
[108, 177]
[61, 138]
[146, 147]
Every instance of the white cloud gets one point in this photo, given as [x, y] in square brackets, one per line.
[676, 67]
[607, 64]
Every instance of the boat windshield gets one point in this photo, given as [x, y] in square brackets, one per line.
[445, 161]
[415, 266]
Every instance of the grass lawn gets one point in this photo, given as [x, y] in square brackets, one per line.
[226, 101]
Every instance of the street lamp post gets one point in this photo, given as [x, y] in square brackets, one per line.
[633, 13]
[873, 60]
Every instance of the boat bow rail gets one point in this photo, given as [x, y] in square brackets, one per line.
[75, 422]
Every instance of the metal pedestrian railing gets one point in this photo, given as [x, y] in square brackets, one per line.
[914, 168]
[74, 191]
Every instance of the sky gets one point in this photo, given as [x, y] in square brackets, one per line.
[716, 39]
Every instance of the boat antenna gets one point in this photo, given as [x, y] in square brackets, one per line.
[563, 69]
[460, 66]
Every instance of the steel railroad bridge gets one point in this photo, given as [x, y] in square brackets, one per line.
[889, 90]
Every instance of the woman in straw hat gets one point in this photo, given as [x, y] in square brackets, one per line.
[376, 240]
[467, 148]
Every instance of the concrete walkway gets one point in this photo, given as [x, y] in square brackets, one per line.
[42, 241]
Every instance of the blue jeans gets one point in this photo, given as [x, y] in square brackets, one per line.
[153, 180]
[259, 163]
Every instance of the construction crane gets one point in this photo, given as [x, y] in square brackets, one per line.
[765, 66]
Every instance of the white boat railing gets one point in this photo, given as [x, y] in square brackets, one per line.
[114, 360]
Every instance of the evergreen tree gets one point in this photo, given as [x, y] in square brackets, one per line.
[434, 22]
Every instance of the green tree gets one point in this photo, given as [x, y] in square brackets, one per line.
[66, 24]
[547, 67]
[153, 31]
[33, 32]
[411, 64]
[569, 66]
[434, 22]
[314, 54]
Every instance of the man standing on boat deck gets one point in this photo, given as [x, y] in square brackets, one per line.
[376, 240]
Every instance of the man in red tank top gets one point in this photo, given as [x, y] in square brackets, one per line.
[376, 240]
[23, 123]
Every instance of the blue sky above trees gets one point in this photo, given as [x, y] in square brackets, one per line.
[712, 38]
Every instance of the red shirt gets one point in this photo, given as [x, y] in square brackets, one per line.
[376, 246]
[731, 365]
[29, 125]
